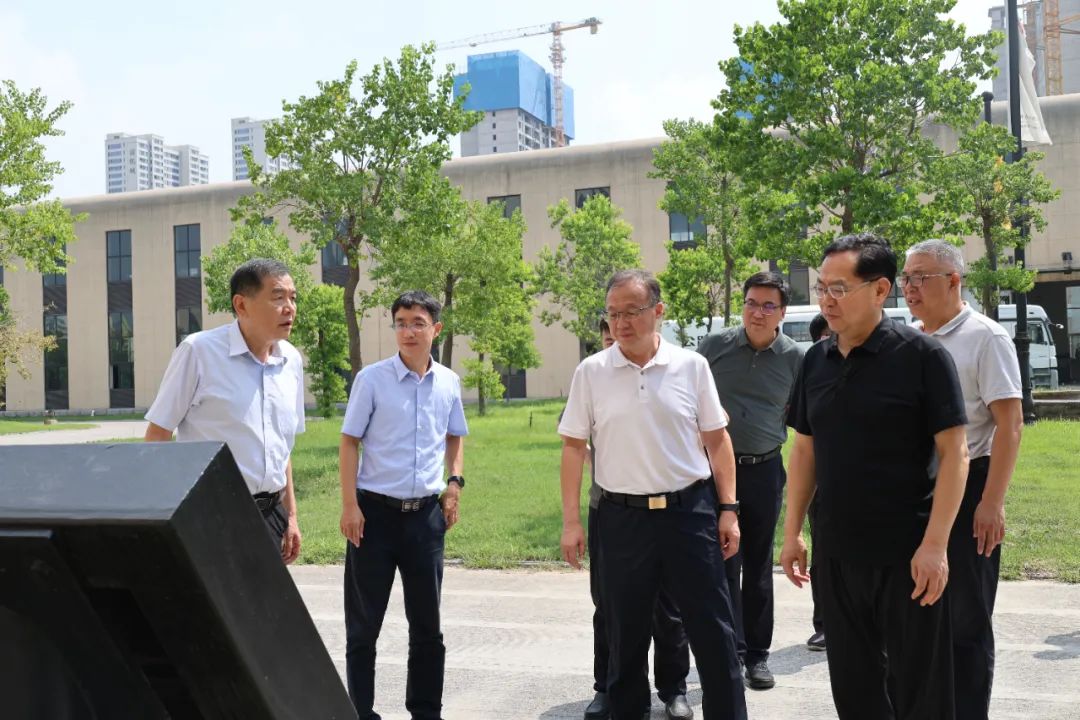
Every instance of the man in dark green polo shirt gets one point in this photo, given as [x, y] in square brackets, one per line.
[755, 366]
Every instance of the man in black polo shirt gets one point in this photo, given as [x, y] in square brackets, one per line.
[879, 418]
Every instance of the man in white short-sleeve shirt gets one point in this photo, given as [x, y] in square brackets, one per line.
[989, 373]
[243, 384]
[667, 516]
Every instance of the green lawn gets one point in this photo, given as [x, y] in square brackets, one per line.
[24, 425]
[511, 507]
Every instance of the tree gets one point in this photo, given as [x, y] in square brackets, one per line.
[701, 282]
[352, 157]
[31, 227]
[320, 319]
[595, 245]
[823, 114]
[978, 193]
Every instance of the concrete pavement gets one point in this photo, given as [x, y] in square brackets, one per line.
[107, 430]
[519, 647]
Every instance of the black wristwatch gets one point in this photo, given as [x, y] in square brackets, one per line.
[733, 507]
[456, 479]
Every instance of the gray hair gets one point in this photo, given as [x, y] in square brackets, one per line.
[945, 252]
[644, 278]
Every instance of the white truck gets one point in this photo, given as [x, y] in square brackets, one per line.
[1043, 353]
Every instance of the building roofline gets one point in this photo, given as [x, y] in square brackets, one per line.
[542, 155]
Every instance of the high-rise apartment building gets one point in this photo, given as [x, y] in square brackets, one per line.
[516, 96]
[251, 133]
[145, 162]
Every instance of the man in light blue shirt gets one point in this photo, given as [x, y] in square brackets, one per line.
[396, 508]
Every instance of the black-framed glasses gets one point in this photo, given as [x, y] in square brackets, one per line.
[916, 280]
[839, 291]
[614, 316]
[414, 326]
[767, 308]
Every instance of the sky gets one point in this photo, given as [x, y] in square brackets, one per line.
[183, 71]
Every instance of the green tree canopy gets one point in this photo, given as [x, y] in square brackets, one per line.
[353, 154]
[976, 192]
[595, 245]
[824, 111]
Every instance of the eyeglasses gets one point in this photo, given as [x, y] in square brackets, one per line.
[766, 308]
[917, 280]
[416, 327]
[839, 292]
[614, 317]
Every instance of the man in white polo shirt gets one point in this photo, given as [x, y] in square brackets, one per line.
[990, 377]
[243, 384]
[662, 521]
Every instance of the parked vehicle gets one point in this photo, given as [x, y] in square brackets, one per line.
[796, 322]
[1043, 353]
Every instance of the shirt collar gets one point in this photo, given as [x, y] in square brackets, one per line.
[662, 356]
[238, 346]
[402, 370]
[742, 339]
[964, 314]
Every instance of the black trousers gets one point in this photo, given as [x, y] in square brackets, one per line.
[815, 593]
[671, 650]
[889, 658]
[677, 550]
[759, 489]
[277, 522]
[973, 581]
[412, 544]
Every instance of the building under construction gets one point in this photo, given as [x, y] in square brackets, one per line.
[517, 97]
[1052, 31]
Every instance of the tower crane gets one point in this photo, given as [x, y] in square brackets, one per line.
[555, 29]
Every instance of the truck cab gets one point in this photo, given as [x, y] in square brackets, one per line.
[1043, 353]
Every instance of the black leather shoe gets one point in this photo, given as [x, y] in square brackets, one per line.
[758, 676]
[598, 709]
[816, 642]
[678, 709]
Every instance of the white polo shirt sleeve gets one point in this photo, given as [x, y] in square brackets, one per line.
[577, 419]
[999, 370]
[710, 413]
[177, 390]
[361, 406]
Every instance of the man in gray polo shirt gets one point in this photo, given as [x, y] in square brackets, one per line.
[754, 366]
[990, 378]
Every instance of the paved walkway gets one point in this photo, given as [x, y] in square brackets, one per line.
[106, 430]
[519, 647]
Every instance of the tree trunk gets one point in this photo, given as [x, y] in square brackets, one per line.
[847, 222]
[481, 400]
[447, 356]
[352, 320]
[990, 293]
[729, 267]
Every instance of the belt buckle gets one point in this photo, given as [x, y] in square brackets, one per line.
[746, 460]
[410, 505]
[657, 502]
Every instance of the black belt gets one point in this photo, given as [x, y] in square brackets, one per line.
[267, 501]
[756, 459]
[407, 505]
[654, 502]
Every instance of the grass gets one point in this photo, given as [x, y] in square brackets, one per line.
[511, 507]
[24, 425]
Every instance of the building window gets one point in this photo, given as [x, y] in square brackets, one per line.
[333, 255]
[583, 194]
[683, 233]
[798, 279]
[188, 321]
[121, 351]
[118, 254]
[186, 245]
[56, 279]
[510, 204]
[56, 359]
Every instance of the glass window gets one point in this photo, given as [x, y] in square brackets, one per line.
[583, 194]
[510, 204]
[186, 245]
[188, 321]
[118, 255]
[121, 351]
[684, 233]
[333, 255]
[55, 279]
[56, 359]
[799, 331]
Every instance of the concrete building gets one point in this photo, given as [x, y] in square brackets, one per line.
[1033, 18]
[145, 162]
[516, 96]
[135, 287]
[251, 133]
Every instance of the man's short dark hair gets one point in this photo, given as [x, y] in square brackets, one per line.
[417, 298]
[642, 277]
[604, 327]
[769, 280]
[248, 279]
[875, 259]
[818, 326]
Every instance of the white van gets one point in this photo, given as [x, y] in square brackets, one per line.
[796, 322]
[1043, 353]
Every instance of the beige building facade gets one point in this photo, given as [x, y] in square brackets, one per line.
[163, 283]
